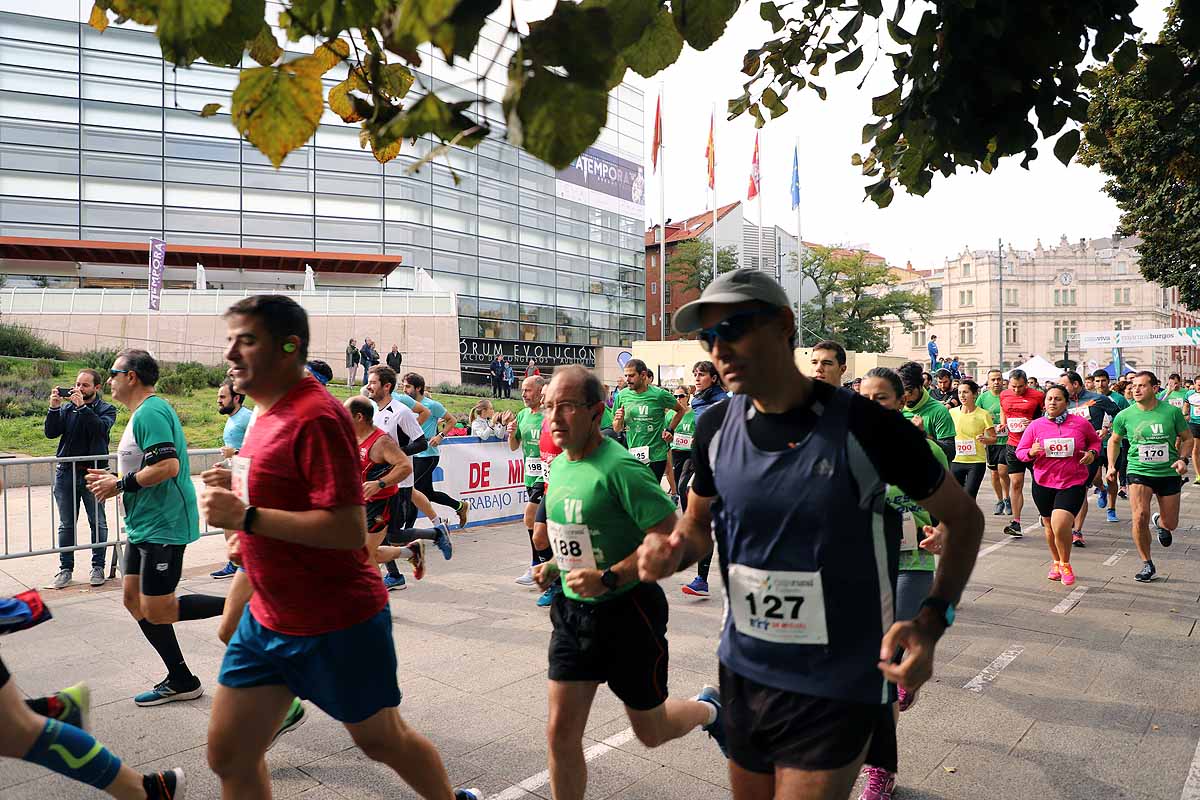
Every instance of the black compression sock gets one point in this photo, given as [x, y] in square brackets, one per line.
[532, 550]
[200, 606]
[162, 639]
[392, 569]
[543, 556]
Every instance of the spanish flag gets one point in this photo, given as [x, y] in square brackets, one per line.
[711, 153]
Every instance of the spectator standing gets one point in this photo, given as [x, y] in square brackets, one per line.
[532, 369]
[370, 357]
[394, 359]
[352, 359]
[933, 352]
[81, 425]
[508, 378]
[496, 374]
[230, 403]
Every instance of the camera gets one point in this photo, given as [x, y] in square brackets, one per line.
[65, 392]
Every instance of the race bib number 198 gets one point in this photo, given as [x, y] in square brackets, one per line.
[777, 606]
[535, 467]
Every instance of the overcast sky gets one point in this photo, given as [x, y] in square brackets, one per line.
[967, 209]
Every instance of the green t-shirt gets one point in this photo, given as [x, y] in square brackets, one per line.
[917, 559]
[1120, 399]
[1151, 436]
[606, 418]
[166, 512]
[938, 423]
[1177, 398]
[529, 432]
[598, 510]
[684, 431]
[992, 403]
[645, 419]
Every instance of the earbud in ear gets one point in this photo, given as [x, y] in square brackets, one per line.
[288, 347]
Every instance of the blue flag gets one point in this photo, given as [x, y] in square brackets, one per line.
[795, 177]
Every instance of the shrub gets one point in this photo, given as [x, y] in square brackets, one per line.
[100, 359]
[172, 384]
[469, 390]
[20, 340]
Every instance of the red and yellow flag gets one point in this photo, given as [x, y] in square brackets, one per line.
[755, 176]
[711, 153]
[654, 147]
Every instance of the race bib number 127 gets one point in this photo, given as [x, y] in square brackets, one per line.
[777, 606]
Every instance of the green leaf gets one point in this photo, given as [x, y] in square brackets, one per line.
[898, 34]
[210, 109]
[872, 7]
[559, 118]
[628, 19]
[1089, 79]
[770, 13]
[820, 90]
[870, 129]
[278, 108]
[225, 44]
[182, 22]
[851, 28]
[459, 34]
[408, 24]
[702, 21]
[849, 62]
[1125, 57]
[575, 38]
[770, 99]
[886, 104]
[881, 193]
[395, 80]
[658, 48]
[1065, 147]
[263, 48]
[1164, 70]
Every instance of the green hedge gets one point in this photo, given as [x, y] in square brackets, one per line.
[21, 341]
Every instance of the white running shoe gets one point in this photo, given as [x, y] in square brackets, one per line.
[527, 578]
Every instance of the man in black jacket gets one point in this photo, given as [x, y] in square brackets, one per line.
[395, 359]
[496, 374]
[370, 356]
[81, 422]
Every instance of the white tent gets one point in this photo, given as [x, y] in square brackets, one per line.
[425, 282]
[201, 279]
[310, 279]
[1040, 368]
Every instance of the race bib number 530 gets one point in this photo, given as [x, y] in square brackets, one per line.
[777, 606]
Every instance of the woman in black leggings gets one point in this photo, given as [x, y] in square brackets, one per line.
[974, 430]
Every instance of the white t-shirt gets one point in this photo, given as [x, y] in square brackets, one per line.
[401, 424]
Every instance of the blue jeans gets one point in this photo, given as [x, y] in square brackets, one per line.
[67, 501]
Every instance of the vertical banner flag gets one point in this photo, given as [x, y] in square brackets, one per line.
[158, 261]
[795, 176]
[654, 147]
[711, 153]
[755, 176]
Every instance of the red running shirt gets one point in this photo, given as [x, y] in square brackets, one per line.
[546, 446]
[1020, 410]
[372, 471]
[304, 456]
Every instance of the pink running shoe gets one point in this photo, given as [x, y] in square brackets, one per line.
[880, 784]
[1055, 574]
[907, 699]
[1068, 575]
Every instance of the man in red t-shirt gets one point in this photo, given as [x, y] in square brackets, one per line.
[1019, 405]
[318, 626]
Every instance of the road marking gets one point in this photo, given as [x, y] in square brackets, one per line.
[992, 670]
[996, 546]
[534, 782]
[1191, 786]
[1115, 557]
[1068, 602]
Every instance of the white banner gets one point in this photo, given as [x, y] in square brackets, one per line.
[489, 476]
[1142, 338]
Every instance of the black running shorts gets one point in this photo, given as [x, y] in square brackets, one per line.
[1050, 500]
[621, 642]
[995, 455]
[379, 514]
[1195, 429]
[537, 492]
[160, 566]
[1163, 487]
[1015, 465]
[767, 728]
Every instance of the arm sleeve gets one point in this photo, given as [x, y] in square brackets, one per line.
[328, 463]
[703, 482]
[896, 448]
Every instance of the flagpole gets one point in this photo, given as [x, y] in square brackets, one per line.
[662, 216]
[713, 129]
[799, 247]
[761, 251]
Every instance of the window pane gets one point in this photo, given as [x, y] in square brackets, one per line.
[24, 209]
[37, 159]
[39, 134]
[190, 219]
[278, 225]
[40, 107]
[113, 215]
[202, 196]
[349, 206]
[505, 251]
[38, 184]
[360, 230]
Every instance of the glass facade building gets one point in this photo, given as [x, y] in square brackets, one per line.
[100, 140]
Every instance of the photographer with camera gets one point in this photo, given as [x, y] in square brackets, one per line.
[81, 422]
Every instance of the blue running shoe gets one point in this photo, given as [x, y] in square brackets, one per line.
[442, 540]
[227, 571]
[467, 794]
[165, 692]
[716, 730]
[1112, 515]
[1101, 499]
[547, 598]
[697, 588]
[393, 584]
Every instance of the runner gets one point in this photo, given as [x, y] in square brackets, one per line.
[161, 519]
[296, 504]
[1176, 393]
[231, 404]
[1193, 405]
[943, 390]
[930, 416]
[1020, 404]
[680, 450]
[548, 451]
[805, 695]
[828, 362]
[1100, 411]
[524, 433]
[425, 463]
[608, 626]
[1110, 491]
[990, 400]
[1155, 465]
[709, 392]
[1062, 447]
[973, 431]
[639, 412]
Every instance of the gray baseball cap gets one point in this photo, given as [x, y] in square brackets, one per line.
[737, 286]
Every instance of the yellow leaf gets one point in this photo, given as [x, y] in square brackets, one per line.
[386, 154]
[340, 103]
[357, 80]
[950, 769]
[308, 65]
[330, 54]
[278, 108]
[210, 109]
[99, 18]
[263, 47]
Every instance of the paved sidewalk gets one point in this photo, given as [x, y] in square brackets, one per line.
[1040, 690]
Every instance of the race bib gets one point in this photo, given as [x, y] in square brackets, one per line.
[1002, 430]
[776, 606]
[1175, 401]
[1080, 411]
[911, 533]
[572, 545]
[965, 447]
[682, 441]
[1059, 448]
[240, 480]
[642, 454]
[1153, 453]
[1017, 424]
[535, 467]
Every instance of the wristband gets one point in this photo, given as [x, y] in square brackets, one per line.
[248, 520]
[129, 482]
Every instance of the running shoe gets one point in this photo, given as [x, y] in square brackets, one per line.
[227, 571]
[1196, 482]
[71, 706]
[527, 578]
[1123, 494]
[1008, 505]
[1068, 575]
[417, 559]
[394, 583]
[548, 596]
[294, 719]
[906, 698]
[1101, 499]
[999, 509]
[1055, 574]
[1147, 573]
[1164, 535]
[165, 692]
[1112, 515]
[1077, 539]
[881, 784]
[1013, 529]
[463, 510]
[442, 541]
[467, 794]
[167, 785]
[710, 695]
[697, 588]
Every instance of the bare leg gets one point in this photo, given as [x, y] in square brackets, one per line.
[1051, 542]
[1139, 512]
[386, 738]
[671, 720]
[1168, 511]
[1060, 523]
[570, 702]
[241, 727]
[239, 595]
[747, 785]
[1017, 493]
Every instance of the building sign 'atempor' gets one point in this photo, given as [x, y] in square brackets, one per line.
[605, 181]
[158, 259]
[480, 352]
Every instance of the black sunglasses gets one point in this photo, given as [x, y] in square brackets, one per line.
[733, 327]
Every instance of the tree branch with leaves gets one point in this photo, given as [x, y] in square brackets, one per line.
[690, 267]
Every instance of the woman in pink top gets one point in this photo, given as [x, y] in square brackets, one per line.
[1060, 447]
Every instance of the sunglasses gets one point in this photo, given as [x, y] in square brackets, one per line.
[733, 327]
[115, 372]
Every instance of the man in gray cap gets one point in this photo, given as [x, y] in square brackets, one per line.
[806, 554]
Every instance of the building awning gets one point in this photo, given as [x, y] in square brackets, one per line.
[187, 255]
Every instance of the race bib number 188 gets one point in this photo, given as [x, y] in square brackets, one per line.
[777, 606]
[572, 545]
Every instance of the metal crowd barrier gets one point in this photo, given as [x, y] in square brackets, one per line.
[24, 470]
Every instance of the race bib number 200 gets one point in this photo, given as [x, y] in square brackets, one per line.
[777, 606]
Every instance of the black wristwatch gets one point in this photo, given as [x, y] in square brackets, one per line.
[248, 520]
[382, 483]
[610, 580]
[942, 609]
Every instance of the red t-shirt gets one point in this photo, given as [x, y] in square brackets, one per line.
[372, 471]
[304, 456]
[1020, 410]
[546, 446]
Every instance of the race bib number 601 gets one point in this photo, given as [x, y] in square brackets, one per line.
[777, 606]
